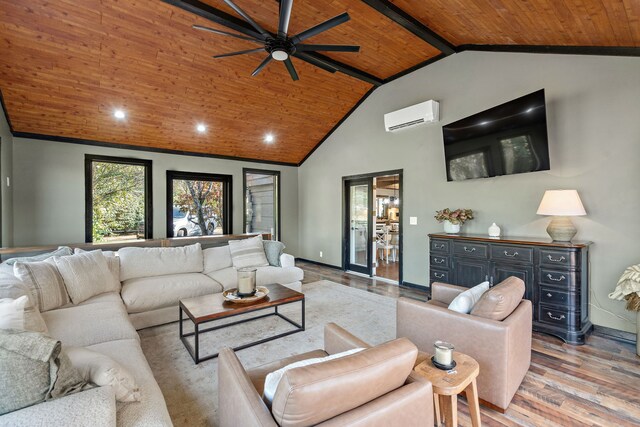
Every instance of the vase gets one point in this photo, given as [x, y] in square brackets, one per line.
[494, 230]
[451, 228]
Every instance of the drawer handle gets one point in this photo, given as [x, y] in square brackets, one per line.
[439, 275]
[466, 249]
[556, 280]
[561, 317]
[556, 259]
[439, 260]
[511, 255]
[437, 246]
[549, 294]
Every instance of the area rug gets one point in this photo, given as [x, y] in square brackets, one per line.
[191, 391]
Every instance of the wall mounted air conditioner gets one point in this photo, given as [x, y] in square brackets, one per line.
[425, 112]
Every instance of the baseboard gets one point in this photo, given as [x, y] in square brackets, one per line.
[415, 286]
[615, 334]
[335, 267]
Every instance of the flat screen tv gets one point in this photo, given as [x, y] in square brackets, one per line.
[504, 140]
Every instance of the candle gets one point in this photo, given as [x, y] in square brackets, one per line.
[444, 353]
[246, 281]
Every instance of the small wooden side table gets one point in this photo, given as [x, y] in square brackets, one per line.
[448, 384]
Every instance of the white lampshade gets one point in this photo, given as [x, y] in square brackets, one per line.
[561, 203]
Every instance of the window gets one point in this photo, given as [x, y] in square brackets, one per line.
[117, 199]
[198, 204]
[262, 202]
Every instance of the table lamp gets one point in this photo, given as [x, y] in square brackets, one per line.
[561, 204]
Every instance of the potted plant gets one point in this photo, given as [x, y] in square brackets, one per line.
[453, 219]
[628, 288]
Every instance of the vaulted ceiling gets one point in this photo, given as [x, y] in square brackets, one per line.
[65, 65]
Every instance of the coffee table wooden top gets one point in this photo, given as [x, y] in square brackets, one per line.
[447, 383]
[214, 306]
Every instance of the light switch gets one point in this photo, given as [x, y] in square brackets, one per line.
[413, 220]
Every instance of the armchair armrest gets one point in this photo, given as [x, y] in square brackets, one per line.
[287, 260]
[239, 402]
[337, 340]
[444, 292]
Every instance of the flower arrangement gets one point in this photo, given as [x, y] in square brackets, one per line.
[459, 216]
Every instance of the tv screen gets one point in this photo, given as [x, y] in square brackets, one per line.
[504, 140]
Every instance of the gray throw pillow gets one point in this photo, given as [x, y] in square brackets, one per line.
[33, 370]
[61, 251]
[273, 250]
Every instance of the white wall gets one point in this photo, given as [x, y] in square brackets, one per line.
[594, 132]
[49, 192]
[6, 168]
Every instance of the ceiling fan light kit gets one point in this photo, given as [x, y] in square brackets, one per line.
[280, 46]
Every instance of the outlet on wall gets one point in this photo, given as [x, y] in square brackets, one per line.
[320, 254]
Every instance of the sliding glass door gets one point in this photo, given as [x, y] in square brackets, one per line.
[358, 210]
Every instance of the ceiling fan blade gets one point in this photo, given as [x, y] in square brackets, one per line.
[291, 69]
[315, 61]
[224, 33]
[285, 15]
[326, 25]
[327, 47]
[247, 18]
[242, 52]
[261, 66]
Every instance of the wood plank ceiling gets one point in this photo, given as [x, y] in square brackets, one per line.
[66, 65]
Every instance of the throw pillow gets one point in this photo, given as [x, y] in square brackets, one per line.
[86, 275]
[216, 259]
[12, 312]
[12, 287]
[466, 300]
[273, 378]
[499, 302]
[32, 370]
[273, 250]
[113, 262]
[44, 282]
[248, 252]
[61, 251]
[102, 370]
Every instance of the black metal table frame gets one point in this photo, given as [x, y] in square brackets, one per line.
[195, 352]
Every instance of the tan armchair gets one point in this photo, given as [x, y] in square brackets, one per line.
[374, 387]
[502, 348]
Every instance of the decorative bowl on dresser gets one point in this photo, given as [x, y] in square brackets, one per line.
[556, 275]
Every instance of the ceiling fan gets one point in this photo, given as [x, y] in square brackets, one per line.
[281, 46]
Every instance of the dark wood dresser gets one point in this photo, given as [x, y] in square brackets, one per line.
[556, 275]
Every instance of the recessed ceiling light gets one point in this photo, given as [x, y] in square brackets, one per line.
[201, 128]
[119, 114]
[269, 138]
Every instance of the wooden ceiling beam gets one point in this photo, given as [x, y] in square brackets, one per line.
[407, 21]
[220, 17]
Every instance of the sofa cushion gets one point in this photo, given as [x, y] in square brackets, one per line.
[465, 301]
[151, 410]
[148, 262]
[61, 251]
[86, 274]
[273, 250]
[342, 384]
[248, 252]
[216, 259]
[228, 277]
[44, 282]
[83, 325]
[500, 301]
[150, 293]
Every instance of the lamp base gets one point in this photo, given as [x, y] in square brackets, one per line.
[561, 229]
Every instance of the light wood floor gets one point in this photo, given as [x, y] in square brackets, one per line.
[597, 384]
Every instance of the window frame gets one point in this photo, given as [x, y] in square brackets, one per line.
[89, 159]
[227, 199]
[277, 202]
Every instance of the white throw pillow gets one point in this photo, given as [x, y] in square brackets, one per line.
[248, 252]
[12, 312]
[273, 379]
[102, 370]
[86, 275]
[465, 301]
[45, 283]
[113, 261]
[216, 259]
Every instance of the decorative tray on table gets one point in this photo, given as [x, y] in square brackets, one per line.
[232, 295]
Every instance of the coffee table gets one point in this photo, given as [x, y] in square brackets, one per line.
[208, 308]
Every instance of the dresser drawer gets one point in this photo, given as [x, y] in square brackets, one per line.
[473, 250]
[555, 297]
[558, 258]
[558, 316]
[440, 246]
[563, 279]
[439, 261]
[512, 253]
[439, 275]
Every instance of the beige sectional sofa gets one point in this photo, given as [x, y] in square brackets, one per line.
[153, 281]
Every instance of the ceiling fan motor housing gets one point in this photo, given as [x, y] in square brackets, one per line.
[279, 48]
